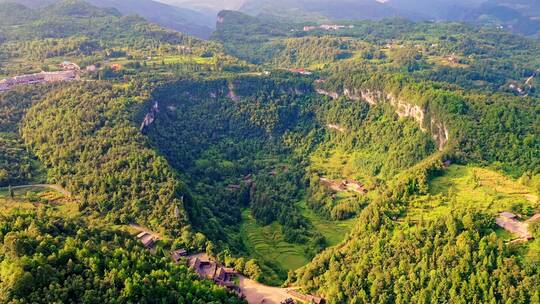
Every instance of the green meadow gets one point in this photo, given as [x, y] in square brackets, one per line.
[268, 244]
[333, 231]
[33, 199]
[473, 188]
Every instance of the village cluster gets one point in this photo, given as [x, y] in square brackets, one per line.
[208, 269]
[70, 72]
[203, 266]
[327, 27]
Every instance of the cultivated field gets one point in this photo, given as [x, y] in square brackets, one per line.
[333, 231]
[36, 198]
[267, 243]
[473, 188]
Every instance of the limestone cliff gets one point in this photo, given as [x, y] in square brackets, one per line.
[150, 116]
[427, 121]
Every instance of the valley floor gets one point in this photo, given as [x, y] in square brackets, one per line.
[267, 242]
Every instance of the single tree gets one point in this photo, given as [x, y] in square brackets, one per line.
[11, 192]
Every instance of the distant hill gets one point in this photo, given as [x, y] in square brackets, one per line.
[78, 8]
[214, 5]
[19, 12]
[318, 10]
[184, 20]
[518, 16]
[436, 9]
[181, 19]
[31, 3]
[13, 13]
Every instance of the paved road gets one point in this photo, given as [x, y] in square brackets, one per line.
[45, 186]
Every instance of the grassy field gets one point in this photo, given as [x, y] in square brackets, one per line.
[267, 243]
[333, 231]
[172, 59]
[183, 59]
[337, 163]
[473, 188]
[35, 198]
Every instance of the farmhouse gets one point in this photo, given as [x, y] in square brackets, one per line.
[224, 275]
[307, 298]
[69, 66]
[178, 254]
[147, 239]
[116, 67]
[309, 28]
[211, 270]
[327, 27]
[334, 27]
[345, 185]
[300, 71]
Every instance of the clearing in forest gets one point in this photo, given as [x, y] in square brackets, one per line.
[333, 231]
[268, 243]
[32, 198]
[473, 188]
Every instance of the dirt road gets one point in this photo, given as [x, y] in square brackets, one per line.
[257, 293]
[45, 186]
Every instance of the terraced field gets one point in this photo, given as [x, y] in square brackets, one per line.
[464, 187]
[34, 198]
[333, 231]
[267, 243]
[177, 59]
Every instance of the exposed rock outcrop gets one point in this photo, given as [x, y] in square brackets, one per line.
[150, 117]
[327, 93]
[403, 108]
[232, 94]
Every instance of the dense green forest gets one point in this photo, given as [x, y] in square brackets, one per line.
[376, 176]
[17, 166]
[93, 149]
[46, 259]
[464, 55]
[494, 128]
[457, 259]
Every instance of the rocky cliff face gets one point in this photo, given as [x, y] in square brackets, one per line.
[150, 117]
[403, 108]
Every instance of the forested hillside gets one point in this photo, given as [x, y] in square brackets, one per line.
[463, 55]
[17, 166]
[47, 259]
[95, 37]
[94, 150]
[458, 258]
